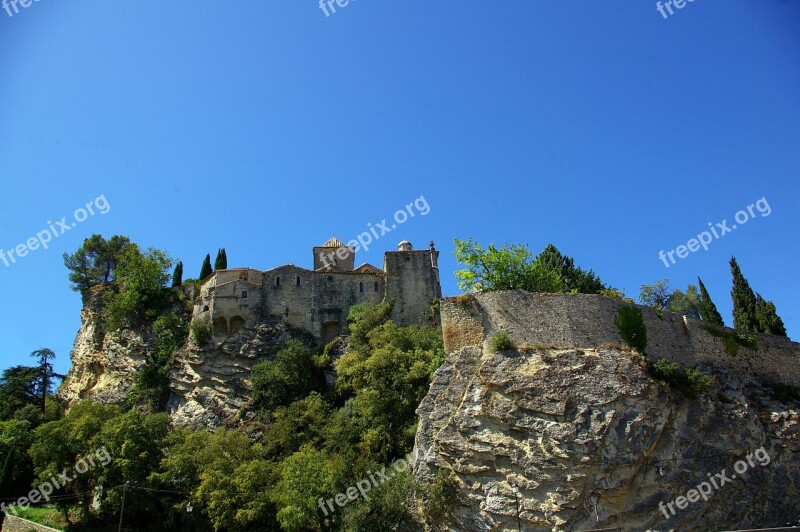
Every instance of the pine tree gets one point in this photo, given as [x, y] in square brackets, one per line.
[744, 301]
[221, 262]
[768, 320]
[177, 275]
[708, 310]
[206, 270]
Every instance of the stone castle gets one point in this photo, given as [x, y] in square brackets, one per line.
[319, 300]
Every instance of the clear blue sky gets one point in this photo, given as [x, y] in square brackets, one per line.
[599, 126]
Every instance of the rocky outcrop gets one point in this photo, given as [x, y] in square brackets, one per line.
[210, 385]
[566, 437]
[104, 366]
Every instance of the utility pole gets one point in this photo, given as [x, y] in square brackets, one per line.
[122, 510]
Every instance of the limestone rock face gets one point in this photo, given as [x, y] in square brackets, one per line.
[210, 385]
[104, 366]
[589, 440]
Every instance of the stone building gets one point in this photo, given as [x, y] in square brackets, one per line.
[319, 300]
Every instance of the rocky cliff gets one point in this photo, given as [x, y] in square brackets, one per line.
[103, 366]
[569, 431]
[210, 385]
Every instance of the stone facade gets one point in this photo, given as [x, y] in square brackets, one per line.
[319, 300]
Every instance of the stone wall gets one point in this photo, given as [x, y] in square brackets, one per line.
[17, 524]
[412, 279]
[581, 320]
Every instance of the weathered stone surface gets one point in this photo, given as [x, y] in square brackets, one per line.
[211, 385]
[104, 366]
[590, 440]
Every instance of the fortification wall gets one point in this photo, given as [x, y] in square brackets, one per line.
[585, 321]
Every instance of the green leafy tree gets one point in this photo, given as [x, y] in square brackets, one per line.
[140, 295]
[221, 262]
[767, 316]
[305, 477]
[18, 388]
[206, 269]
[744, 301]
[291, 376]
[708, 310]
[687, 303]
[16, 474]
[508, 267]
[95, 262]
[60, 444]
[657, 295]
[177, 275]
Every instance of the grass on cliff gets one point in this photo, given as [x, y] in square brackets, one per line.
[47, 515]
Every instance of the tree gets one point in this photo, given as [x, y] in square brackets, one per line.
[206, 270]
[656, 295]
[744, 301]
[177, 275]
[508, 267]
[18, 388]
[46, 373]
[221, 262]
[767, 316]
[95, 262]
[141, 294]
[687, 303]
[575, 279]
[708, 311]
[289, 377]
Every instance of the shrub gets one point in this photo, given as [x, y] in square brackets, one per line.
[501, 342]
[630, 324]
[201, 330]
[441, 496]
[691, 382]
[732, 340]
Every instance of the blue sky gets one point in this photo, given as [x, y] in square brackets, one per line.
[599, 126]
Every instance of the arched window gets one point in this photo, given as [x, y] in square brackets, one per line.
[376, 287]
[361, 287]
[297, 281]
[277, 282]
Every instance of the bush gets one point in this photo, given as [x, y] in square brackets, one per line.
[630, 324]
[201, 330]
[501, 342]
[690, 382]
[732, 340]
[441, 496]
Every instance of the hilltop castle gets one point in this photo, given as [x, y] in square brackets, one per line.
[319, 300]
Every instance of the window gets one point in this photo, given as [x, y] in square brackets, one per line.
[330, 278]
[244, 294]
[297, 282]
[277, 282]
[361, 287]
[376, 287]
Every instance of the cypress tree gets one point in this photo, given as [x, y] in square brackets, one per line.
[708, 310]
[177, 275]
[768, 320]
[221, 262]
[744, 301]
[206, 270]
